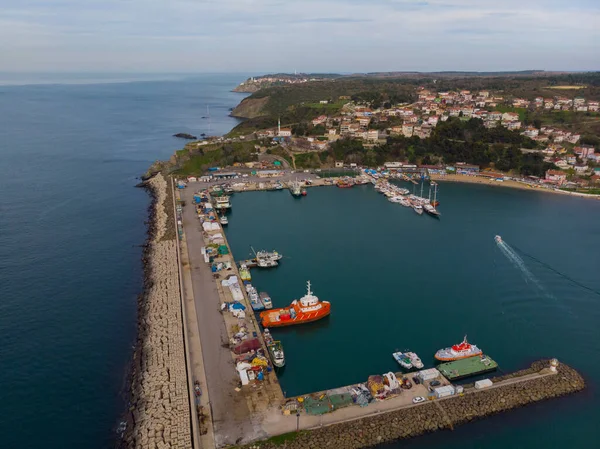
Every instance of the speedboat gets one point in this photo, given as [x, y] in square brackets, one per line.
[403, 360]
[457, 352]
[417, 208]
[224, 220]
[498, 239]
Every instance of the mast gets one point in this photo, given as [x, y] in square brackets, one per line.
[435, 195]
[421, 188]
[429, 193]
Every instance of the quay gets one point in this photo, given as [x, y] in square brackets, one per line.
[463, 368]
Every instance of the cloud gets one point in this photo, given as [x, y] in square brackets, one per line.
[310, 35]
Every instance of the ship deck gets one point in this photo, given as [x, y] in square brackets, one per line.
[471, 366]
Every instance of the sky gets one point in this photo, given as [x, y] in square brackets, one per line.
[266, 36]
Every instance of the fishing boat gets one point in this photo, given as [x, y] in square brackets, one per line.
[255, 301]
[460, 351]
[498, 239]
[303, 192]
[245, 273]
[273, 255]
[414, 359]
[223, 219]
[266, 263]
[266, 300]
[403, 360]
[308, 308]
[295, 188]
[275, 349]
[222, 202]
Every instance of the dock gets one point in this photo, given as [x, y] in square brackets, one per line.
[463, 368]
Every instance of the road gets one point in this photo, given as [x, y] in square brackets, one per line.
[230, 413]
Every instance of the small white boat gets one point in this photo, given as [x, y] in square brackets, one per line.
[224, 220]
[403, 360]
[414, 359]
[417, 208]
[498, 239]
[266, 263]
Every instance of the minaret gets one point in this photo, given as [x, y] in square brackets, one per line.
[279, 126]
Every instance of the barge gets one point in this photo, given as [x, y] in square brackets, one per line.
[463, 368]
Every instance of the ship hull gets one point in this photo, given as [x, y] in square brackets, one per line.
[449, 358]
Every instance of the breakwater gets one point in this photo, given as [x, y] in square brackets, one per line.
[159, 413]
[518, 389]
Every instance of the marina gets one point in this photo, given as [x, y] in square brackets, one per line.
[388, 391]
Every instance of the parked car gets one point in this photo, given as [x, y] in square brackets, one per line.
[435, 383]
[416, 380]
[418, 399]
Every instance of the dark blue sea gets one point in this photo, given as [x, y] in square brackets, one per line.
[71, 226]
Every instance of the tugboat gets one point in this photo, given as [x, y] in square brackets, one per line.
[295, 189]
[456, 352]
[308, 308]
[275, 350]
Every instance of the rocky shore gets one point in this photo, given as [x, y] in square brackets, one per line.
[159, 412]
[435, 415]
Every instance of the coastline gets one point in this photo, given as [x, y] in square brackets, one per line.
[471, 179]
[158, 413]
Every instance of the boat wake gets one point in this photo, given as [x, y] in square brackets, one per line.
[518, 263]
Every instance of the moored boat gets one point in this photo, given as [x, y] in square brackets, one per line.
[273, 255]
[224, 221]
[414, 359]
[456, 352]
[403, 360]
[266, 263]
[417, 208]
[308, 308]
[431, 210]
[275, 349]
[245, 273]
[266, 300]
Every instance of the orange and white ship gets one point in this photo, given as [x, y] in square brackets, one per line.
[460, 351]
[308, 308]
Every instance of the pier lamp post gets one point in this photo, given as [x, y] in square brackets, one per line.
[297, 421]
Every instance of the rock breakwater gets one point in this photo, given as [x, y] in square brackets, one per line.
[519, 389]
[159, 413]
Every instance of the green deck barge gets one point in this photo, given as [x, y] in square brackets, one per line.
[471, 366]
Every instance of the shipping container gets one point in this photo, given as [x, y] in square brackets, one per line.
[483, 384]
[442, 392]
[428, 374]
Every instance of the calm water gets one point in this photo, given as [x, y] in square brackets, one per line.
[397, 280]
[70, 228]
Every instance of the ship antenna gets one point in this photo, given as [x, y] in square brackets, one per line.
[308, 288]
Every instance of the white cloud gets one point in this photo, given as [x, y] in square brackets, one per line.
[311, 35]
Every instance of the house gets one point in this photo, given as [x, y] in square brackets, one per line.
[320, 119]
[285, 132]
[490, 124]
[578, 101]
[580, 169]
[323, 101]
[467, 112]
[510, 117]
[541, 138]
[556, 176]
[332, 131]
[372, 134]
[454, 111]
[495, 115]
[321, 144]
[484, 94]
[512, 125]
[571, 159]
[531, 132]
[397, 130]
[593, 106]
[573, 138]
[561, 163]
[580, 108]
[584, 151]
[466, 169]
[408, 129]
[364, 121]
